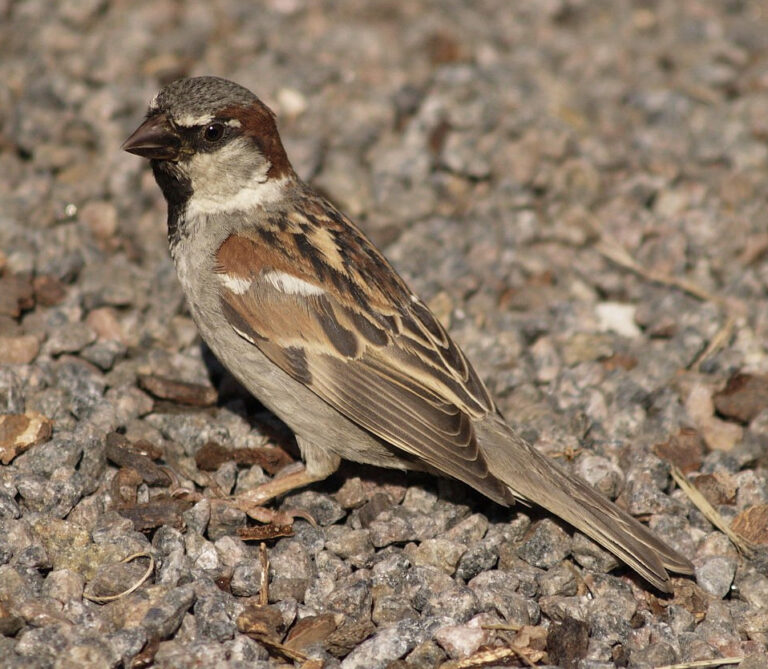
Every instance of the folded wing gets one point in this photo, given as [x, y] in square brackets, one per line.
[374, 352]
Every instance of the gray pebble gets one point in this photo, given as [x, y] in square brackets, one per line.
[350, 544]
[323, 508]
[715, 574]
[389, 644]
[213, 611]
[165, 616]
[290, 570]
[546, 545]
[246, 578]
[477, 558]
[68, 338]
[104, 353]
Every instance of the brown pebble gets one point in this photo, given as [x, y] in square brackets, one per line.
[10, 623]
[684, 449]
[311, 630]
[350, 633]
[147, 448]
[181, 392]
[49, 291]
[352, 493]
[744, 396]
[120, 451]
[101, 218]
[619, 361]
[717, 434]
[124, 488]
[104, 323]
[270, 458]
[443, 47]
[19, 350]
[19, 432]
[25, 292]
[113, 578]
[718, 488]
[692, 598]
[16, 295]
[378, 503]
[752, 524]
[567, 642]
[156, 513]
[261, 622]
[9, 327]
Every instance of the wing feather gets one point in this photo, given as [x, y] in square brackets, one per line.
[389, 366]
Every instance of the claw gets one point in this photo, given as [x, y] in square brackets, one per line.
[273, 516]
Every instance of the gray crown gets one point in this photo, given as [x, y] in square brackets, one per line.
[199, 95]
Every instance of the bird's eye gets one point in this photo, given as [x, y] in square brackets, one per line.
[213, 132]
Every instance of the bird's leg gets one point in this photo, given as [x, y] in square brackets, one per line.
[281, 484]
[319, 465]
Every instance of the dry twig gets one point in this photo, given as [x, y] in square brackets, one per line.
[703, 664]
[616, 253]
[264, 586]
[721, 338]
[745, 547]
[135, 586]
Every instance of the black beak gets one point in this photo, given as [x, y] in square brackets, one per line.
[156, 139]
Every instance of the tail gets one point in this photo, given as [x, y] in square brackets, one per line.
[532, 477]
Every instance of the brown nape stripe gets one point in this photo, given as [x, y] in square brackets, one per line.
[259, 124]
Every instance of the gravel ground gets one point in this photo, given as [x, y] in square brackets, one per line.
[577, 188]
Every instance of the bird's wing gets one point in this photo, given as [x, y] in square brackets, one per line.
[320, 302]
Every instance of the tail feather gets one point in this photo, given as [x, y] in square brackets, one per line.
[532, 477]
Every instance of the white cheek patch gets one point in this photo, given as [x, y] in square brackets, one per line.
[235, 284]
[292, 285]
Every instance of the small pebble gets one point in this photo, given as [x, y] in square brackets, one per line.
[19, 350]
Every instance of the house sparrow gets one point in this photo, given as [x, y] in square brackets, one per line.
[310, 317]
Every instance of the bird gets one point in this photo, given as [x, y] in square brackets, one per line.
[310, 317]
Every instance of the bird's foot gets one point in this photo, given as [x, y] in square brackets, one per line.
[289, 479]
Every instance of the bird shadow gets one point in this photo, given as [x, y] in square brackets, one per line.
[236, 398]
